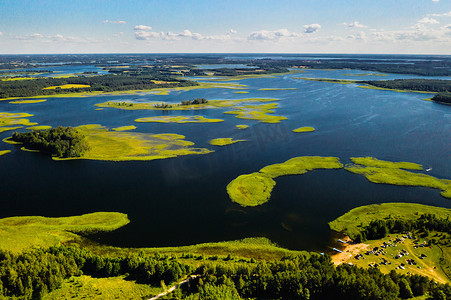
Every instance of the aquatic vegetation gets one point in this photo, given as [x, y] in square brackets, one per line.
[257, 112]
[2, 129]
[124, 128]
[8, 119]
[124, 146]
[304, 129]
[242, 126]
[224, 141]
[255, 189]
[251, 189]
[18, 233]
[378, 171]
[178, 106]
[27, 101]
[301, 165]
[277, 89]
[341, 81]
[39, 127]
[179, 119]
[241, 92]
[68, 86]
[3, 152]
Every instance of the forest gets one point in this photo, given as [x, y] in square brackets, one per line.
[36, 272]
[103, 83]
[61, 141]
[442, 98]
[427, 85]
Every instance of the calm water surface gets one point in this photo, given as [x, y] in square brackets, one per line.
[184, 201]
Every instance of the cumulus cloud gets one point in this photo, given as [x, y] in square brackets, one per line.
[355, 24]
[33, 36]
[427, 20]
[448, 14]
[114, 22]
[272, 34]
[358, 36]
[232, 31]
[312, 28]
[142, 27]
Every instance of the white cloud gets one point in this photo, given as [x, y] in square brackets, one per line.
[448, 14]
[312, 28]
[355, 24]
[272, 34]
[232, 31]
[147, 35]
[358, 36]
[427, 20]
[1, 33]
[33, 36]
[435, 0]
[114, 22]
[142, 27]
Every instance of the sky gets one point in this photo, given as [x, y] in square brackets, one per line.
[239, 26]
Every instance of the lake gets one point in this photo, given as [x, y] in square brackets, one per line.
[183, 201]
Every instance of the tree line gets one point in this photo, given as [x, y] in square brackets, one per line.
[428, 85]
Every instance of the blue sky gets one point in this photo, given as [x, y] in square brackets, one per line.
[283, 26]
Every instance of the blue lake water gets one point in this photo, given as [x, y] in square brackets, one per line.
[183, 201]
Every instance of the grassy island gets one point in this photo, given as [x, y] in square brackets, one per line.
[379, 171]
[224, 141]
[3, 152]
[27, 101]
[255, 189]
[259, 113]
[9, 121]
[178, 119]
[19, 233]
[124, 128]
[98, 143]
[241, 126]
[304, 129]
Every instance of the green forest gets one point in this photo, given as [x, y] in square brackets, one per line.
[61, 141]
[427, 85]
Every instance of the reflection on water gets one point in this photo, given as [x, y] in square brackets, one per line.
[184, 200]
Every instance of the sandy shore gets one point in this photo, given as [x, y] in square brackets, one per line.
[351, 249]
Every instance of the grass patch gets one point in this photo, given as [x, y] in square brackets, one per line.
[177, 106]
[3, 152]
[124, 128]
[378, 171]
[329, 80]
[224, 141]
[178, 119]
[27, 101]
[241, 126]
[257, 112]
[39, 127]
[255, 189]
[18, 233]
[125, 146]
[67, 86]
[87, 287]
[241, 92]
[8, 119]
[18, 78]
[277, 89]
[304, 129]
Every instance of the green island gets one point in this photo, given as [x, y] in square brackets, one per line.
[442, 98]
[409, 239]
[96, 142]
[259, 112]
[3, 152]
[255, 189]
[379, 171]
[241, 126]
[9, 121]
[20, 233]
[304, 129]
[27, 101]
[39, 127]
[224, 141]
[178, 119]
[124, 128]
